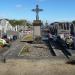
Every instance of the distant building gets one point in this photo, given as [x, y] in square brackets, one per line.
[61, 28]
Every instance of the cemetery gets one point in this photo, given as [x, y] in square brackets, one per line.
[36, 47]
[32, 48]
[30, 37]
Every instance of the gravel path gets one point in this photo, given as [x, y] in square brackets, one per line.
[36, 67]
[14, 50]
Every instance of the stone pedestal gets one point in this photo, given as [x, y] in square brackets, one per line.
[37, 28]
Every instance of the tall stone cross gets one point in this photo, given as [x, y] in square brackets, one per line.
[37, 10]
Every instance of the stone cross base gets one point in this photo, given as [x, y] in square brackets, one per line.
[37, 28]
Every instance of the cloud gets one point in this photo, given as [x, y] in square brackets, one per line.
[18, 6]
[41, 0]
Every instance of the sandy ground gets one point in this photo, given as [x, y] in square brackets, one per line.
[36, 67]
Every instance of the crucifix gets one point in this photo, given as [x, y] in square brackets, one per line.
[37, 10]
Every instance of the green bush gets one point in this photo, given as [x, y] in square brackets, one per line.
[1, 43]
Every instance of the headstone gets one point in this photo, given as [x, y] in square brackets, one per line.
[37, 23]
[37, 28]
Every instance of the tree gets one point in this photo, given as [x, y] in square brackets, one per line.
[73, 22]
[29, 24]
[17, 22]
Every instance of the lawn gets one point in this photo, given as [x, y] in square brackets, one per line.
[28, 37]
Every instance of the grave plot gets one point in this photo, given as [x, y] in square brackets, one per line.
[35, 51]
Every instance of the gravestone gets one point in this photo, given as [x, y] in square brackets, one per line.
[37, 23]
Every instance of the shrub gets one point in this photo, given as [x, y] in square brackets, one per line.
[37, 39]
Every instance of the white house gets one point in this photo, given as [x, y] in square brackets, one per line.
[5, 26]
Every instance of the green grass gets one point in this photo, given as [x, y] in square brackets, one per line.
[25, 50]
[28, 37]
